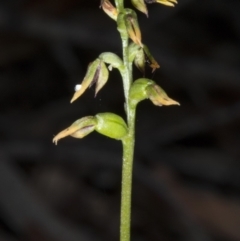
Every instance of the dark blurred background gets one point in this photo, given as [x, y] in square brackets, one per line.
[186, 184]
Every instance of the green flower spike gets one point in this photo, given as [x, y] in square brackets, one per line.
[147, 89]
[140, 5]
[107, 124]
[97, 72]
[109, 9]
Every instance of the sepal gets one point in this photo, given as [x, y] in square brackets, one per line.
[109, 9]
[133, 29]
[158, 96]
[79, 129]
[102, 77]
[140, 5]
[152, 62]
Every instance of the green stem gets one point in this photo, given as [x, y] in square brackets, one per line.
[128, 142]
[128, 153]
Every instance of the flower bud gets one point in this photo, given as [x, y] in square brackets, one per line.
[97, 72]
[78, 129]
[109, 9]
[111, 125]
[140, 5]
[169, 3]
[147, 89]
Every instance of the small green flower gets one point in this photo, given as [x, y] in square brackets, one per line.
[107, 124]
[144, 88]
[140, 55]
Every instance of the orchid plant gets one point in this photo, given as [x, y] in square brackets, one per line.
[135, 52]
